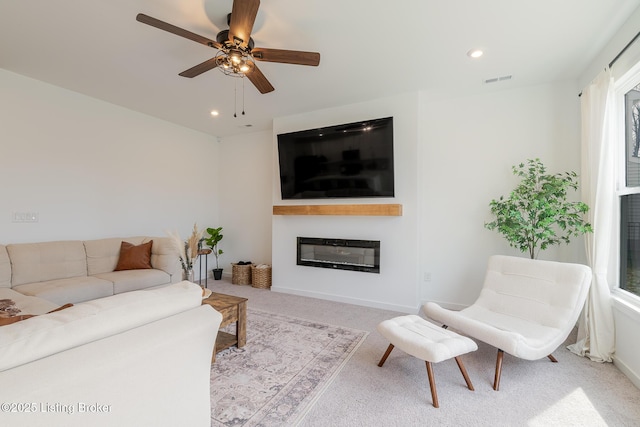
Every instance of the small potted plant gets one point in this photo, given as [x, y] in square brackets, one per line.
[215, 235]
[537, 213]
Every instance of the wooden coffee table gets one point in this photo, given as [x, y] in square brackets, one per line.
[233, 309]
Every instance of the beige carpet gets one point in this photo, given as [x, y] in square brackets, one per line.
[275, 378]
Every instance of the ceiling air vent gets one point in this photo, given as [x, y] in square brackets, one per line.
[498, 79]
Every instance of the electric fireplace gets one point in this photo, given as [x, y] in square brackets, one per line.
[339, 254]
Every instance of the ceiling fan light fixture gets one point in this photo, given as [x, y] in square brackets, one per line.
[234, 62]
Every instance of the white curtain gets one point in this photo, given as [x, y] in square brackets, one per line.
[596, 332]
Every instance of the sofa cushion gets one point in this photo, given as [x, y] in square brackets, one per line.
[39, 262]
[103, 254]
[134, 257]
[41, 336]
[73, 289]
[28, 304]
[165, 257]
[133, 280]
[5, 268]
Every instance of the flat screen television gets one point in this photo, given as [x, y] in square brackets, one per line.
[347, 160]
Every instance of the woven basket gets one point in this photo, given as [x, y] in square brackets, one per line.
[261, 277]
[240, 274]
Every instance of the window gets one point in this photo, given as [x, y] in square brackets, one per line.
[632, 136]
[630, 196]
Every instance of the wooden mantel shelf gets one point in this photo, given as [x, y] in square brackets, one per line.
[362, 210]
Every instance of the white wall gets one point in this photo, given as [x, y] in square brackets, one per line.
[92, 169]
[612, 48]
[627, 322]
[467, 148]
[395, 286]
[245, 172]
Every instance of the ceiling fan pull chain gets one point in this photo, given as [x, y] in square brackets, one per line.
[235, 98]
[243, 95]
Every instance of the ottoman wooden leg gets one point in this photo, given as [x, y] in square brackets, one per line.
[432, 385]
[386, 354]
[464, 373]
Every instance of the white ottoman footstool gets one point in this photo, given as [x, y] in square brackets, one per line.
[426, 341]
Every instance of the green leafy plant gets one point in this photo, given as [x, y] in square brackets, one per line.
[537, 214]
[215, 235]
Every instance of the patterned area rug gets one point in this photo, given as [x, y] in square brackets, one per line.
[277, 376]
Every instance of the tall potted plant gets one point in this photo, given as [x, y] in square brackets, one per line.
[212, 240]
[537, 213]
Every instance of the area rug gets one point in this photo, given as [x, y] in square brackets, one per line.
[283, 369]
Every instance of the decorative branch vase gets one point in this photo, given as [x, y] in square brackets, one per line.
[188, 275]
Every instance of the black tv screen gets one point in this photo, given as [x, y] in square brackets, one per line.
[348, 160]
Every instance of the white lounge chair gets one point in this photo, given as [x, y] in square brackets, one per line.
[526, 307]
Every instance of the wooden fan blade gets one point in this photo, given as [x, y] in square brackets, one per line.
[243, 15]
[258, 79]
[207, 65]
[286, 56]
[145, 19]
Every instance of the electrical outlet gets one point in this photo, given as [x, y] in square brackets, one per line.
[24, 216]
[427, 276]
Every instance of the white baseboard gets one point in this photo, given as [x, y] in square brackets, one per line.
[627, 370]
[347, 300]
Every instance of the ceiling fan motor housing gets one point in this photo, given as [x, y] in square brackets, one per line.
[223, 39]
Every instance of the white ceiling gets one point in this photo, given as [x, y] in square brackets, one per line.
[369, 49]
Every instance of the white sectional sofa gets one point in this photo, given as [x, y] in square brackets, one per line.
[139, 358]
[134, 349]
[74, 271]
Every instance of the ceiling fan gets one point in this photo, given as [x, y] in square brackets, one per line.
[236, 54]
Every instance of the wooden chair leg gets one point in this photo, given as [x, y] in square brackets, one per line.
[496, 381]
[464, 373]
[432, 385]
[553, 359]
[386, 354]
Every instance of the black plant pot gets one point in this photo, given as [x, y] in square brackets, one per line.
[217, 273]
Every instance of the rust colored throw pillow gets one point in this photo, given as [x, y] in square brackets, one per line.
[134, 257]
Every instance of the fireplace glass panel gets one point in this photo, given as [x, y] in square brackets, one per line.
[342, 254]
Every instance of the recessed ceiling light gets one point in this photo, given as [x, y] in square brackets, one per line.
[214, 113]
[475, 53]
